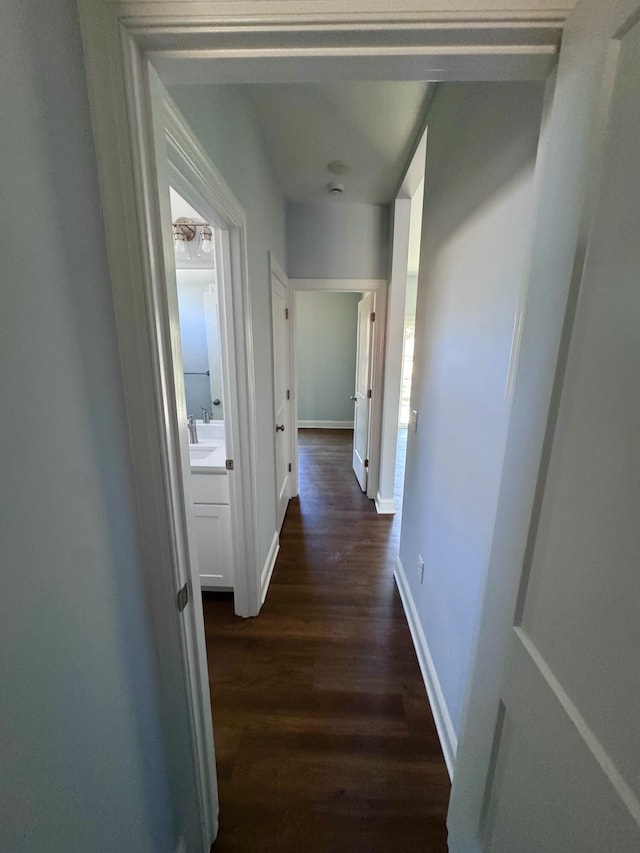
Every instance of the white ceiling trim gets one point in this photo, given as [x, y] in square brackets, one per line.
[348, 10]
[237, 41]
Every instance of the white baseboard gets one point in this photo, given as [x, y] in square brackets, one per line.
[385, 506]
[267, 570]
[325, 424]
[444, 724]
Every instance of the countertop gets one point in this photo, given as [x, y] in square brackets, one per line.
[209, 455]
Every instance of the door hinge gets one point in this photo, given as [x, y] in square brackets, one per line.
[228, 464]
[286, 313]
[373, 316]
[369, 392]
[288, 394]
[182, 597]
[290, 468]
[366, 463]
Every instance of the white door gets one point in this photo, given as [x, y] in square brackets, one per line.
[362, 396]
[282, 389]
[214, 348]
[566, 775]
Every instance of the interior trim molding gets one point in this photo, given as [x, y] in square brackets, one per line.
[325, 424]
[385, 506]
[441, 716]
[280, 15]
[269, 565]
[350, 285]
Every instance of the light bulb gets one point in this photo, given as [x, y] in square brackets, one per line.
[207, 244]
[182, 249]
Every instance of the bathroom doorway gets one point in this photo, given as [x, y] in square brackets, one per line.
[204, 243]
[196, 243]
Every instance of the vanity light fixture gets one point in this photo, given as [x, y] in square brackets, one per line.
[185, 231]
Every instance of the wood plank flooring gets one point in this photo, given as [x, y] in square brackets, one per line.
[324, 738]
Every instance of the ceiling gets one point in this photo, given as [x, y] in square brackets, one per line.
[372, 125]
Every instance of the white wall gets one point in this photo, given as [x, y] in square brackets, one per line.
[326, 332]
[475, 246]
[223, 120]
[335, 239]
[82, 764]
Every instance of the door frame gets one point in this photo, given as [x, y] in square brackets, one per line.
[234, 43]
[194, 176]
[379, 287]
[401, 221]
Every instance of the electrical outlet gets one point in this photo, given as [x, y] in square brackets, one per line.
[420, 568]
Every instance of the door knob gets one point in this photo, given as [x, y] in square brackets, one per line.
[279, 427]
[354, 398]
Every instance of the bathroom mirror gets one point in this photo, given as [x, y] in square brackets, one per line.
[198, 311]
[200, 336]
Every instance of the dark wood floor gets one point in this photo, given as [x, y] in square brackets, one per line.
[324, 737]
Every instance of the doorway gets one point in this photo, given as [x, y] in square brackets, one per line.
[337, 366]
[226, 502]
[407, 417]
[198, 249]
[532, 63]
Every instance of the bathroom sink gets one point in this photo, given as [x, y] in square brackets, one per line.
[201, 453]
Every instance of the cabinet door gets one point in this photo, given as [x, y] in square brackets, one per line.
[213, 541]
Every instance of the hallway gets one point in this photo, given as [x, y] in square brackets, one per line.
[324, 737]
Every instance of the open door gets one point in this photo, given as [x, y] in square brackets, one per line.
[214, 347]
[282, 388]
[564, 768]
[362, 396]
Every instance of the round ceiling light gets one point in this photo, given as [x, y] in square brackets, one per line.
[339, 167]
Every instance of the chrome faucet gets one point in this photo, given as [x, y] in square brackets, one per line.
[193, 430]
[206, 417]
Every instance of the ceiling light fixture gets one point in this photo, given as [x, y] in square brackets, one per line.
[335, 188]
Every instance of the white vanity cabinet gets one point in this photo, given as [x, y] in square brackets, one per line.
[212, 521]
[213, 539]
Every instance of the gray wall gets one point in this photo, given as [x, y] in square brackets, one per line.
[223, 120]
[82, 761]
[475, 247]
[326, 331]
[335, 239]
